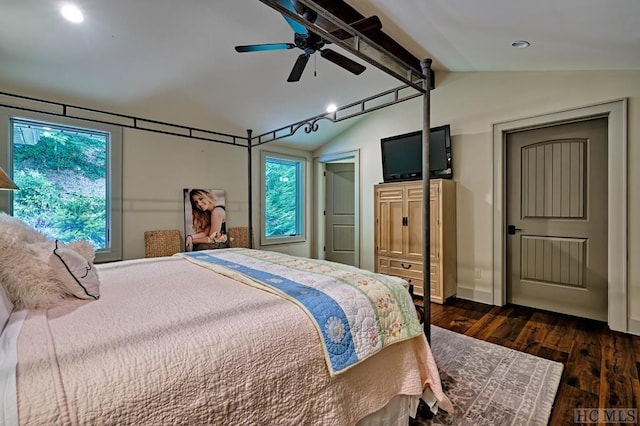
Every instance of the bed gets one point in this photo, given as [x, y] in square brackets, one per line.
[180, 340]
[232, 336]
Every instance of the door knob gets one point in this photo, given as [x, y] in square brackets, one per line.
[511, 229]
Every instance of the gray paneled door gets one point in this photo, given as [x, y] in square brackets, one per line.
[557, 216]
[340, 213]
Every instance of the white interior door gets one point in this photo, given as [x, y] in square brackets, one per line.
[557, 218]
[340, 213]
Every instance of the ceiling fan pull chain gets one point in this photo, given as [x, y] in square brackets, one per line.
[315, 74]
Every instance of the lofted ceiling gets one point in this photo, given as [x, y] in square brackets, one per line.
[179, 55]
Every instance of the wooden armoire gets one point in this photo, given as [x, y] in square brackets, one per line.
[398, 235]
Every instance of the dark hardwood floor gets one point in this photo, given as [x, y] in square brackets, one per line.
[601, 367]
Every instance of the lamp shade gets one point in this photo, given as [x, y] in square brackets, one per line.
[5, 182]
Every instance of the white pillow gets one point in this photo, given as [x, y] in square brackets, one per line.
[78, 275]
[5, 308]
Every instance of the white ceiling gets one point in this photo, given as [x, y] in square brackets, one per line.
[179, 56]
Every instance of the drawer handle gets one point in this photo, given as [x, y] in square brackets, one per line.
[405, 267]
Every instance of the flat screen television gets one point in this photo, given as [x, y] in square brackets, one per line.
[402, 155]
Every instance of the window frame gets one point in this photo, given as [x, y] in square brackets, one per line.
[301, 185]
[113, 167]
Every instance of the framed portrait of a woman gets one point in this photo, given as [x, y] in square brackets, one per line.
[205, 219]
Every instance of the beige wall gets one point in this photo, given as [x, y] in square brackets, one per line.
[472, 103]
[157, 167]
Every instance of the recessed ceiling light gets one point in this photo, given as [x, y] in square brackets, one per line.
[71, 13]
[520, 44]
[331, 108]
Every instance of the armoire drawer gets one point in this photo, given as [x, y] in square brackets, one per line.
[405, 268]
[418, 289]
[412, 272]
[434, 278]
[418, 286]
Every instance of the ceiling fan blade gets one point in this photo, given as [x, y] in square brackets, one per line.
[295, 26]
[298, 67]
[342, 61]
[263, 47]
[370, 24]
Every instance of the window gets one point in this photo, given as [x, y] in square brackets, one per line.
[69, 174]
[283, 199]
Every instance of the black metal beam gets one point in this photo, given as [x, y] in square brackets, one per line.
[311, 124]
[250, 185]
[426, 199]
[128, 121]
[404, 72]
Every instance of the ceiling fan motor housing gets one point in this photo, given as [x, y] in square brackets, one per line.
[309, 42]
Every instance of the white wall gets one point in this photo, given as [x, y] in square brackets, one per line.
[472, 103]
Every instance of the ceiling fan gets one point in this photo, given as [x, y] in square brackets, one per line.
[310, 42]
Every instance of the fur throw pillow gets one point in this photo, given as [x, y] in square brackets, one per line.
[25, 270]
[27, 277]
[15, 229]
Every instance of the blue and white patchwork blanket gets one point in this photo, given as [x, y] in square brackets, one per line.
[356, 312]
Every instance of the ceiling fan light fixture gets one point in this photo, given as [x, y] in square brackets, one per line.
[71, 13]
[520, 44]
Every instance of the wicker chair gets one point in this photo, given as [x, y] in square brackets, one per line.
[162, 243]
[239, 236]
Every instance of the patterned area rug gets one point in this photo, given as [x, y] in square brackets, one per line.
[490, 384]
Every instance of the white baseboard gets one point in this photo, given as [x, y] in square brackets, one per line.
[634, 327]
[475, 295]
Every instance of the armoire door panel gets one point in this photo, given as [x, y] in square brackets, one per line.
[413, 230]
[434, 220]
[396, 230]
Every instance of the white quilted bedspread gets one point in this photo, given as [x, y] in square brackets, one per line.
[170, 342]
